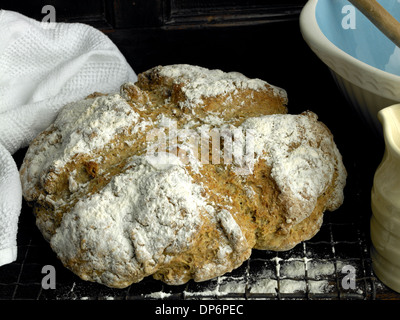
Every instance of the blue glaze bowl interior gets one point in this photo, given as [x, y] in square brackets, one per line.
[365, 42]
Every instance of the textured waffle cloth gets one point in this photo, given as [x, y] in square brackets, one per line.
[44, 66]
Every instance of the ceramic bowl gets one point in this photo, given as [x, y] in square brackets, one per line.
[364, 63]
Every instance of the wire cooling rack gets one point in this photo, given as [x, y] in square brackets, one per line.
[333, 265]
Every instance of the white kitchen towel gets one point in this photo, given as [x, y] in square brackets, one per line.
[44, 66]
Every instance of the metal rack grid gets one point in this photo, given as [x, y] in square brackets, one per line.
[310, 271]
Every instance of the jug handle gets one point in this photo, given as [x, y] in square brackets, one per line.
[390, 119]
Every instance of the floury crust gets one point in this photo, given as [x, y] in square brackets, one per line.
[115, 214]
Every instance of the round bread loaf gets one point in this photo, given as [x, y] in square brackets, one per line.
[179, 176]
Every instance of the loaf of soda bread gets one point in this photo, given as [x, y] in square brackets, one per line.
[179, 176]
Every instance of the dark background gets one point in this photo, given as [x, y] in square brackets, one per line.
[259, 38]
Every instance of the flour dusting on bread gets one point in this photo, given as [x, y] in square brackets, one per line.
[179, 176]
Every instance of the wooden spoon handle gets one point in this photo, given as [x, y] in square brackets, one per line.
[382, 19]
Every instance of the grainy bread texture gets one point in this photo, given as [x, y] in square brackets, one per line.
[179, 176]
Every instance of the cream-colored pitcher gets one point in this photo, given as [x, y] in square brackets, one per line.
[385, 202]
